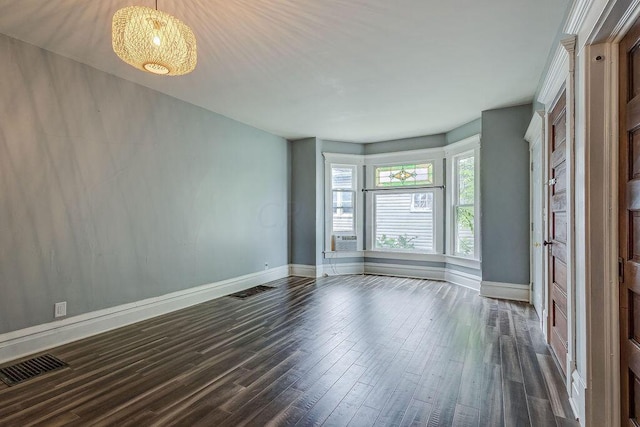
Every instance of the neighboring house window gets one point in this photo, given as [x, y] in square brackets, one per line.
[422, 202]
[463, 193]
[405, 202]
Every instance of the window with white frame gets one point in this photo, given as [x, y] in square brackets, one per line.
[343, 200]
[463, 205]
[343, 192]
[404, 199]
[463, 228]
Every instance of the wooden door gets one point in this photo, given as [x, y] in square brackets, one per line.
[557, 243]
[629, 225]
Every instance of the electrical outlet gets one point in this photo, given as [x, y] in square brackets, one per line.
[266, 265]
[60, 309]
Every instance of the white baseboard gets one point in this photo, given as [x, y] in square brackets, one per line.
[577, 399]
[343, 269]
[511, 291]
[401, 270]
[302, 270]
[463, 279]
[17, 344]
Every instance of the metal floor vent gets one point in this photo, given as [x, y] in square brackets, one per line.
[23, 371]
[251, 292]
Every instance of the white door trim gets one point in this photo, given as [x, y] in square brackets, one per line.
[534, 136]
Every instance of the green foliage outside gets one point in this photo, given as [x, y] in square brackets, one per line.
[400, 242]
[466, 193]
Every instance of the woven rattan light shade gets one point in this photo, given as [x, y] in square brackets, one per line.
[153, 41]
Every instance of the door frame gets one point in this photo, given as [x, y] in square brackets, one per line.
[561, 79]
[601, 29]
[534, 137]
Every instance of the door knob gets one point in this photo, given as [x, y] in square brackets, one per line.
[547, 243]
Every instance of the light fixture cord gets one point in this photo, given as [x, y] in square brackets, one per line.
[156, 4]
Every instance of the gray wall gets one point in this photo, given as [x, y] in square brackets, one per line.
[504, 180]
[428, 141]
[303, 201]
[327, 146]
[111, 192]
[465, 131]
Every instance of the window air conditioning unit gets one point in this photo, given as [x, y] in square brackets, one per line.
[342, 243]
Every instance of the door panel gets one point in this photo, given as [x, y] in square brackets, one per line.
[560, 274]
[629, 225]
[558, 231]
[560, 225]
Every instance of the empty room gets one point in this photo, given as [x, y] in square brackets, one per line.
[319, 212]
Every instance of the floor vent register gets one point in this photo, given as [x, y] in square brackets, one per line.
[251, 292]
[29, 369]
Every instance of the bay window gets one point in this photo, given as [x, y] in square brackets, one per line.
[397, 206]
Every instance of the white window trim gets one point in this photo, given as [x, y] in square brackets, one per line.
[430, 155]
[353, 160]
[453, 151]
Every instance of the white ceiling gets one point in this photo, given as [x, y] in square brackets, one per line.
[350, 70]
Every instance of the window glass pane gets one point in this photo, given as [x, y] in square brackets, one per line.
[404, 175]
[466, 172]
[342, 178]
[398, 227]
[464, 230]
[343, 210]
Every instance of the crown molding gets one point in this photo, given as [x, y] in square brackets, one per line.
[558, 71]
[534, 131]
[577, 16]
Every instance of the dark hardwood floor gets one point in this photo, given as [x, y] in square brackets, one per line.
[351, 350]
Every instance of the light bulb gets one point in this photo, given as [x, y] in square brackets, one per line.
[156, 40]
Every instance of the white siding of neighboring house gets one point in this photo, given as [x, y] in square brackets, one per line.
[395, 218]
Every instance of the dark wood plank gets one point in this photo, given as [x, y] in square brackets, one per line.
[445, 402]
[516, 412]
[557, 393]
[532, 374]
[349, 405]
[417, 413]
[541, 412]
[466, 417]
[510, 361]
[492, 408]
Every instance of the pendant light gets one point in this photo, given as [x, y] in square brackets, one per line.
[153, 41]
